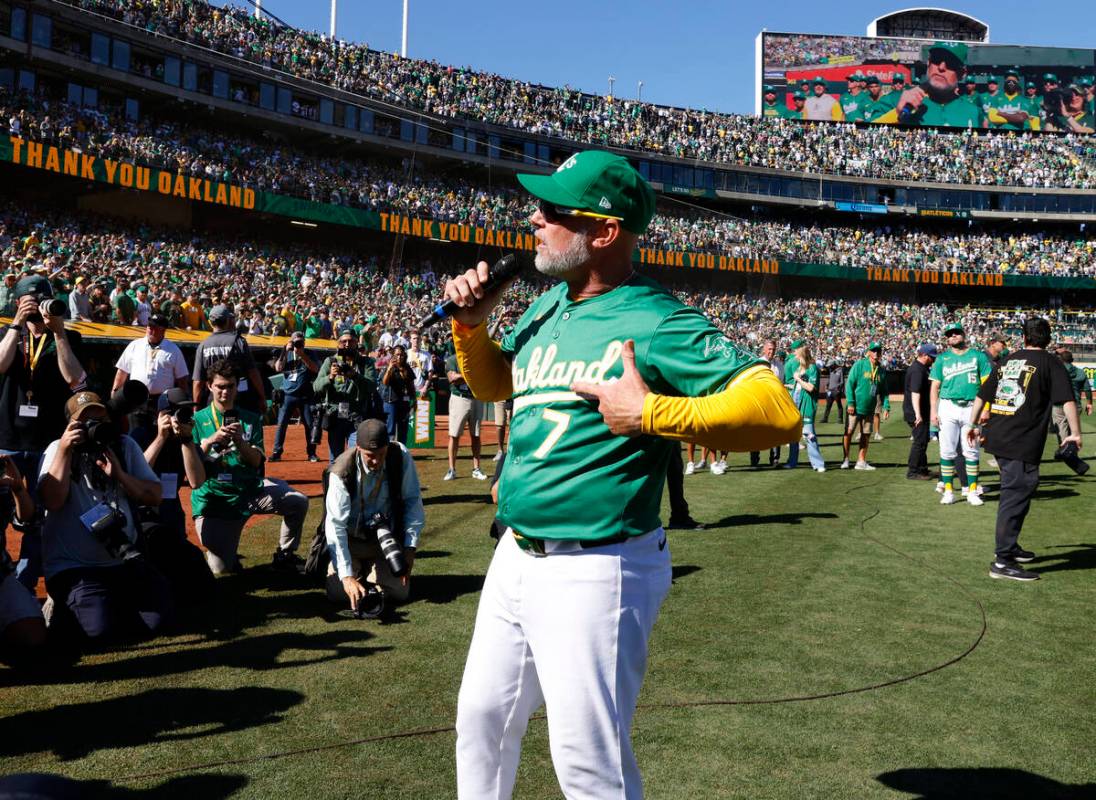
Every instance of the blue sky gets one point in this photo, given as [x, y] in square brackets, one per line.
[694, 53]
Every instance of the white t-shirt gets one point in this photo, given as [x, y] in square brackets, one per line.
[157, 367]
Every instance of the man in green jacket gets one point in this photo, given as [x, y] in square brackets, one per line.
[862, 391]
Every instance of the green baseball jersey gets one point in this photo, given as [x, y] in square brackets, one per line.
[230, 483]
[771, 110]
[1078, 380]
[961, 374]
[804, 401]
[1008, 105]
[873, 109]
[865, 383]
[566, 475]
[791, 113]
[852, 105]
[959, 113]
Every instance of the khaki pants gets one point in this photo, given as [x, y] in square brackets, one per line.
[221, 537]
[1058, 422]
[369, 567]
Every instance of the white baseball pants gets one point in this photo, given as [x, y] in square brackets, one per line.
[569, 630]
[954, 424]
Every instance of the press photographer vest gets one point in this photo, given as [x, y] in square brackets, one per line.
[346, 469]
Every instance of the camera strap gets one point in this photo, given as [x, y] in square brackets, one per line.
[31, 357]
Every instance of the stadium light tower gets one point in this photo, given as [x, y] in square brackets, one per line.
[639, 92]
[258, 9]
[333, 7]
[403, 46]
[612, 80]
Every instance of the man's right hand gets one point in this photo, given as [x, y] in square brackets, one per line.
[354, 590]
[467, 291]
[935, 421]
[74, 436]
[163, 426]
[27, 306]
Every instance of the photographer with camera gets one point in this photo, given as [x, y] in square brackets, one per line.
[156, 362]
[374, 516]
[231, 441]
[1020, 393]
[398, 393]
[40, 367]
[90, 483]
[298, 371]
[345, 396]
[22, 627]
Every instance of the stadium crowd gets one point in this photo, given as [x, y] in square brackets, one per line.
[784, 50]
[460, 92]
[368, 183]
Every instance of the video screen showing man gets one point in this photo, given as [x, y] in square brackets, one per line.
[852, 101]
[821, 106]
[1008, 110]
[936, 100]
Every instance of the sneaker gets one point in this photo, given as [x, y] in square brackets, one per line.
[684, 524]
[939, 487]
[966, 491]
[313, 459]
[723, 464]
[1008, 569]
[498, 456]
[845, 464]
[450, 475]
[718, 468]
[974, 500]
[275, 457]
[877, 438]
[284, 561]
[1021, 555]
[980, 490]
[702, 464]
[864, 465]
[819, 469]
[948, 499]
[690, 468]
[477, 473]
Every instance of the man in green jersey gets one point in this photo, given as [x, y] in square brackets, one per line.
[1080, 384]
[956, 377]
[852, 101]
[937, 101]
[770, 107]
[231, 440]
[875, 105]
[608, 373]
[1007, 110]
[866, 384]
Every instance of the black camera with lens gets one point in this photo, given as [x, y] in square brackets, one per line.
[100, 434]
[389, 544]
[184, 415]
[110, 530]
[344, 366]
[1069, 454]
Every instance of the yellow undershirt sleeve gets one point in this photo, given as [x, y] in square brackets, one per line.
[482, 364]
[754, 412]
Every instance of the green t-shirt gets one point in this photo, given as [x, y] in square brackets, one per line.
[771, 111]
[865, 383]
[804, 401]
[1078, 380]
[961, 374]
[460, 389]
[566, 475]
[230, 483]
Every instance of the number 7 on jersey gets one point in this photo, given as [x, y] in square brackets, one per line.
[560, 421]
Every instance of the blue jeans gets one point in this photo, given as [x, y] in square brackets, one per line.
[340, 435]
[285, 413]
[813, 453]
[398, 414]
[28, 569]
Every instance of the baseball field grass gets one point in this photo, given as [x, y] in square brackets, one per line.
[805, 591]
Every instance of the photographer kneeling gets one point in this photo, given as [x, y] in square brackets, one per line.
[374, 515]
[231, 441]
[90, 482]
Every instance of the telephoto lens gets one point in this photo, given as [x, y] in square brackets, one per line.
[392, 551]
[52, 308]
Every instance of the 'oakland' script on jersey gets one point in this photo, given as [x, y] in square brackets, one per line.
[543, 371]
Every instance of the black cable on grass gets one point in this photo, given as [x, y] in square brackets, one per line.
[385, 737]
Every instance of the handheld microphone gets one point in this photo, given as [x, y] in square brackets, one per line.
[505, 268]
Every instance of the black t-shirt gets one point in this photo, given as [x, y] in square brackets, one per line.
[233, 346]
[1021, 392]
[917, 380]
[49, 390]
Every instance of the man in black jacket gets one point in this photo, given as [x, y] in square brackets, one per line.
[915, 409]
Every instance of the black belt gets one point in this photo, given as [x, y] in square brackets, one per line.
[532, 544]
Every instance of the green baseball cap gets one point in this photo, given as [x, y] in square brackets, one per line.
[797, 344]
[1012, 73]
[874, 346]
[1050, 77]
[598, 183]
[993, 79]
[799, 96]
[872, 80]
[769, 89]
[954, 327]
[899, 78]
[819, 79]
[957, 50]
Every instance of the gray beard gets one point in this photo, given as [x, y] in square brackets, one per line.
[556, 266]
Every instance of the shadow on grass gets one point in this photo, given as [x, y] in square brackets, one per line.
[982, 783]
[157, 716]
[1083, 557]
[431, 554]
[790, 518]
[1053, 494]
[55, 787]
[682, 571]
[259, 653]
[449, 499]
[441, 589]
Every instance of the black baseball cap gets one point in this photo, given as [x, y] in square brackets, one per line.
[159, 321]
[33, 285]
[174, 398]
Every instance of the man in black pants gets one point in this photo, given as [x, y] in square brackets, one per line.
[1021, 392]
[915, 408]
[680, 518]
[835, 390]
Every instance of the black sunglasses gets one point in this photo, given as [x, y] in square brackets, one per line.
[555, 214]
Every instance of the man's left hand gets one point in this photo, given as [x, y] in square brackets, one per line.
[620, 402]
[55, 324]
[109, 463]
[409, 557]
